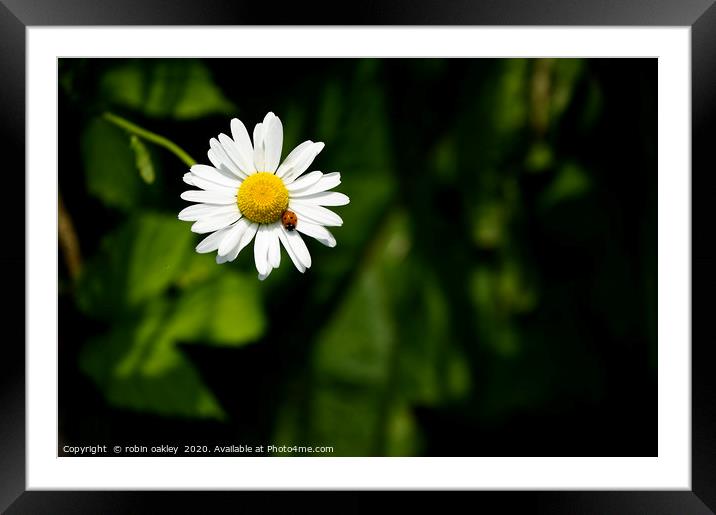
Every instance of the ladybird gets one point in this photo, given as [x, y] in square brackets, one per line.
[289, 220]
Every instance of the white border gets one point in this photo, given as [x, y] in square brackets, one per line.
[670, 470]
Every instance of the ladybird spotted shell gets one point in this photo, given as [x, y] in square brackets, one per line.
[289, 220]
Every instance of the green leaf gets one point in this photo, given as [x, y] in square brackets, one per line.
[137, 366]
[110, 174]
[570, 182]
[137, 262]
[142, 159]
[165, 88]
[155, 292]
[539, 157]
[225, 310]
[511, 110]
[567, 73]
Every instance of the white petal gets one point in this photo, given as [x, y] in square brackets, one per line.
[233, 237]
[282, 235]
[324, 198]
[243, 145]
[214, 159]
[219, 165]
[202, 183]
[232, 150]
[316, 214]
[187, 178]
[223, 158]
[262, 277]
[211, 242]
[274, 251]
[269, 118]
[291, 171]
[327, 182]
[273, 141]
[291, 158]
[245, 240]
[259, 151]
[215, 223]
[248, 235]
[197, 211]
[298, 246]
[305, 181]
[230, 256]
[209, 173]
[209, 197]
[261, 247]
[316, 231]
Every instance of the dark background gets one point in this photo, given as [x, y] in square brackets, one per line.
[493, 291]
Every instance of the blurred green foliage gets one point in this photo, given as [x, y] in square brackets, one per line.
[451, 288]
[153, 291]
[109, 166]
[142, 159]
[173, 88]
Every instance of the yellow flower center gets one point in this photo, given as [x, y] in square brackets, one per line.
[262, 198]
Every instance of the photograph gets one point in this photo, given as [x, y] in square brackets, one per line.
[357, 257]
[272, 255]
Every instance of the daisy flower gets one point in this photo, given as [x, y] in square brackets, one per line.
[246, 193]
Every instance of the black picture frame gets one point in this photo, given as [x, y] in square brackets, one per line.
[17, 15]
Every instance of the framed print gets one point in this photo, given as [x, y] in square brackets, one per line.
[378, 257]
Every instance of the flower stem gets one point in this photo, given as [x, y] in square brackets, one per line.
[150, 136]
